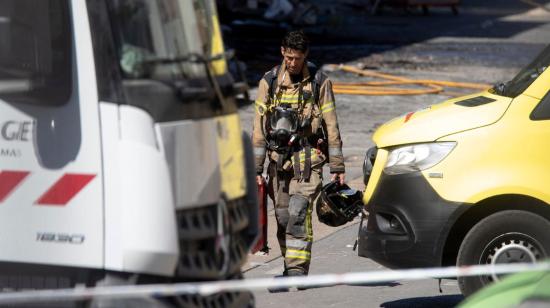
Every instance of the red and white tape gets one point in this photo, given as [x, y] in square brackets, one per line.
[208, 288]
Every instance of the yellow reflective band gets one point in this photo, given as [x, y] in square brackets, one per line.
[297, 254]
[303, 157]
[289, 96]
[309, 226]
[298, 257]
[328, 106]
[327, 110]
[289, 100]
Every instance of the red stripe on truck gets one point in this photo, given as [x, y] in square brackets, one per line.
[65, 189]
[9, 181]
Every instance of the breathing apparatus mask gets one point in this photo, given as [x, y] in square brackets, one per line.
[283, 127]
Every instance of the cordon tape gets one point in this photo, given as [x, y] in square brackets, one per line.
[209, 288]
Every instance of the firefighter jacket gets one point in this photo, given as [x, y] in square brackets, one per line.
[322, 114]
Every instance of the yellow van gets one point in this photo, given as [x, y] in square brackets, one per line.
[464, 182]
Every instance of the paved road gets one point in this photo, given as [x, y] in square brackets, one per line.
[333, 254]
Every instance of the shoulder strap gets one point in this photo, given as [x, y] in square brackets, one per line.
[316, 83]
[318, 79]
[271, 77]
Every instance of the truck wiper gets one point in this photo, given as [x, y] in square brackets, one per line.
[186, 91]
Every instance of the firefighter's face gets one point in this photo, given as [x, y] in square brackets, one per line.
[294, 59]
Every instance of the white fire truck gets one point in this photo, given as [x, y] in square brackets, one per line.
[122, 159]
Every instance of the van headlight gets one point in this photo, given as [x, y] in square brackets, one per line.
[417, 157]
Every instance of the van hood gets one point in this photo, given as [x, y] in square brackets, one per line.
[449, 117]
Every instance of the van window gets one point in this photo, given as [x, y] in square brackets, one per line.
[527, 75]
[35, 51]
[542, 111]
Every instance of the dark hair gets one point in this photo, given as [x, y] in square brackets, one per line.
[296, 40]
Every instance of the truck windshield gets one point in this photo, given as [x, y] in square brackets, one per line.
[148, 31]
[35, 51]
[526, 76]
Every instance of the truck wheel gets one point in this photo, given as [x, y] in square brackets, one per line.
[510, 236]
[117, 279]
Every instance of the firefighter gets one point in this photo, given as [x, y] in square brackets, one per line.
[296, 127]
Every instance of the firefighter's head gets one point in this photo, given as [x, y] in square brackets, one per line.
[294, 49]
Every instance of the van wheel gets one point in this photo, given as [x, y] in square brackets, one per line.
[510, 236]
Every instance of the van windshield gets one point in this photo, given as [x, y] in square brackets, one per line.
[147, 32]
[526, 76]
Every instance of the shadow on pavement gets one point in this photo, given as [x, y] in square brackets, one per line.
[384, 284]
[425, 302]
[381, 284]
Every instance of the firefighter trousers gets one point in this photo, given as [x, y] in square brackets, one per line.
[293, 201]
